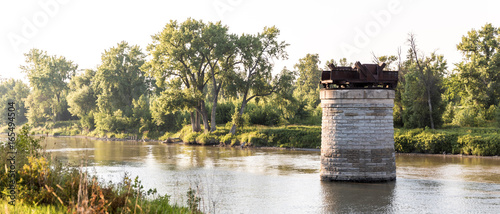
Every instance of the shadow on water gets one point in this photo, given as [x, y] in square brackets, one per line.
[344, 197]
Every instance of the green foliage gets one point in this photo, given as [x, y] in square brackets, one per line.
[264, 114]
[485, 145]
[479, 72]
[22, 207]
[48, 76]
[422, 89]
[26, 143]
[224, 112]
[475, 141]
[182, 55]
[82, 99]
[469, 116]
[191, 137]
[116, 122]
[254, 76]
[206, 138]
[229, 139]
[13, 91]
[46, 186]
[294, 136]
[425, 142]
[118, 80]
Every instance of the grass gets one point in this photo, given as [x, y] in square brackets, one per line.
[45, 185]
[24, 208]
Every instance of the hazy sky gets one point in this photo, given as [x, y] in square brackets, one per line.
[81, 30]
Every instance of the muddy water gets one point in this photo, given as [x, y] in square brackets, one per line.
[234, 180]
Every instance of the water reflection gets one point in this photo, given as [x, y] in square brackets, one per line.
[343, 197]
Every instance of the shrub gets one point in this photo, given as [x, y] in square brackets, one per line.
[228, 139]
[190, 138]
[206, 138]
[480, 145]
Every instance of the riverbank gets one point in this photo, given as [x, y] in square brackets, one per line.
[482, 141]
[43, 184]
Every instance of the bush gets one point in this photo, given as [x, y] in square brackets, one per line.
[469, 116]
[224, 112]
[207, 138]
[480, 145]
[263, 115]
[190, 138]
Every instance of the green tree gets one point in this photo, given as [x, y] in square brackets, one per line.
[429, 73]
[479, 73]
[82, 99]
[185, 57]
[254, 77]
[14, 91]
[220, 58]
[48, 76]
[307, 85]
[421, 99]
[342, 63]
[117, 83]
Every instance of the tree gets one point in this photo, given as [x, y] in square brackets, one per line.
[185, 57]
[82, 99]
[220, 58]
[14, 91]
[117, 83]
[307, 85]
[48, 76]
[422, 94]
[254, 78]
[342, 62]
[479, 73]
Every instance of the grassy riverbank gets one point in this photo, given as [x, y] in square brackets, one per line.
[483, 141]
[45, 185]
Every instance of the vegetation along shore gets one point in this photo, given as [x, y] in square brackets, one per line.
[200, 83]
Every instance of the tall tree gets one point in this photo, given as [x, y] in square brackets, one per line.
[423, 88]
[221, 60]
[307, 85]
[82, 99]
[48, 76]
[14, 91]
[479, 73]
[256, 53]
[118, 80]
[185, 57]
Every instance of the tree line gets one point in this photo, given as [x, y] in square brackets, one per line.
[201, 74]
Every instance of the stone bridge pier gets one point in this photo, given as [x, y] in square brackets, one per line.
[357, 135]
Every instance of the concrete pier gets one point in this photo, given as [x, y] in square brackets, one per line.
[357, 137]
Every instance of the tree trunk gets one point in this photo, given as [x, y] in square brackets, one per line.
[198, 128]
[214, 108]
[430, 106]
[204, 116]
[193, 121]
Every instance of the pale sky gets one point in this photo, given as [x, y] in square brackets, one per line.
[81, 30]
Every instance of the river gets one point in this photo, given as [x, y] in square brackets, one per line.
[254, 180]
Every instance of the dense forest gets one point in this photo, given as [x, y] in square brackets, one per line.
[199, 74]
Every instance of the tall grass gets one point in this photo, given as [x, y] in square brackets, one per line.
[44, 185]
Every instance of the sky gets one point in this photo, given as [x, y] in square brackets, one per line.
[81, 30]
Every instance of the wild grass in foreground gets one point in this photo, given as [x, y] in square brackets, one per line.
[44, 185]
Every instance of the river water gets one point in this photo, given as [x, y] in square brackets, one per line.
[235, 180]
